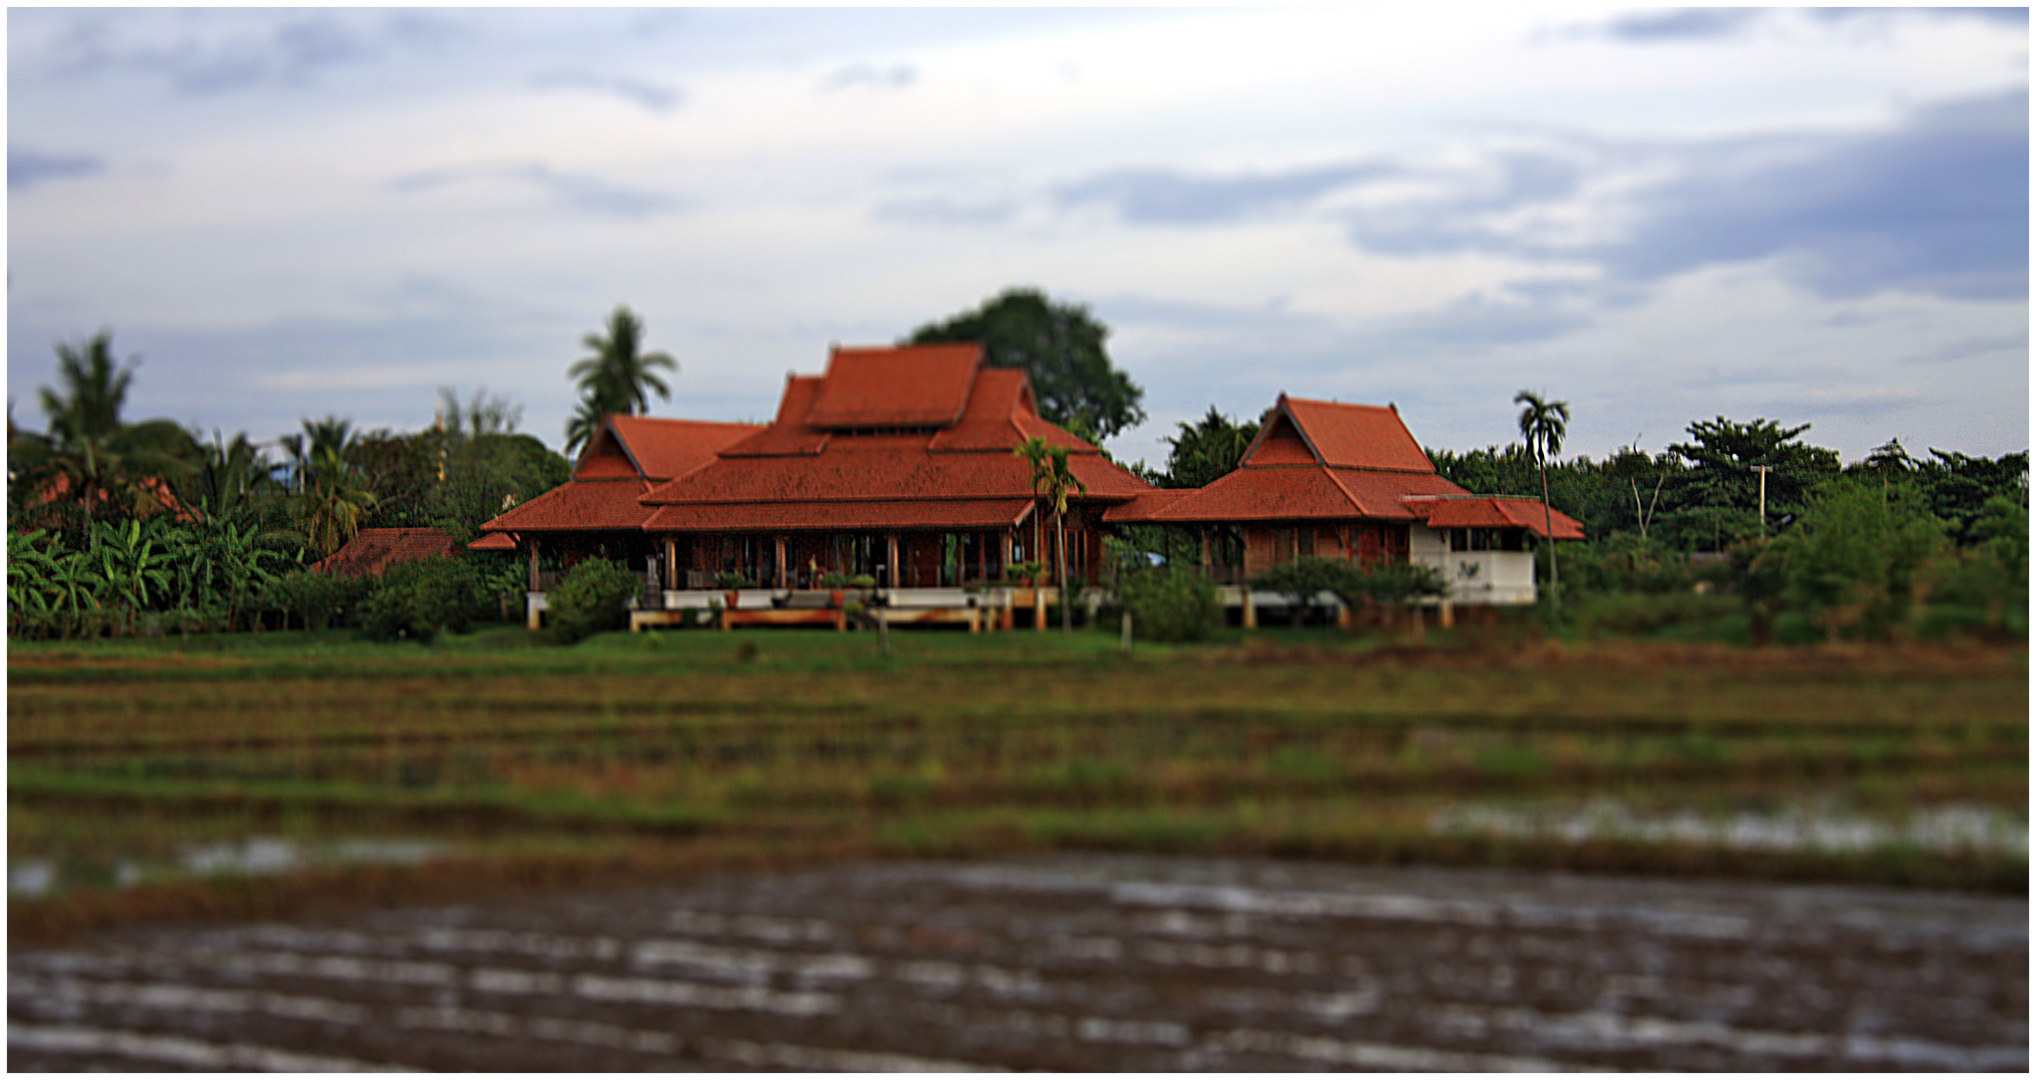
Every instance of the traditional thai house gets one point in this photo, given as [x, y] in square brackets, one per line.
[898, 464]
[895, 463]
[1349, 482]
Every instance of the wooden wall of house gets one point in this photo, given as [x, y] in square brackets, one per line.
[1366, 543]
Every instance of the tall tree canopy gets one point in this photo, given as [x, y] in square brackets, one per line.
[1207, 449]
[618, 378]
[1060, 347]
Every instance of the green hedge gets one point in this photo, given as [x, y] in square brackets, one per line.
[591, 598]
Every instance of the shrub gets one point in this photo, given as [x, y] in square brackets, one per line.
[316, 600]
[1305, 578]
[593, 596]
[1642, 614]
[1170, 606]
[1390, 583]
[1623, 563]
[419, 600]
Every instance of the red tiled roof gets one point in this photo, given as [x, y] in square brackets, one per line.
[578, 504]
[1000, 415]
[1349, 436]
[902, 386]
[795, 462]
[371, 551]
[662, 449]
[1276, 492]
[1496, 511]
[788, 434]
[863, 514]
[853, 468]
[494, 541]
[1149, 505]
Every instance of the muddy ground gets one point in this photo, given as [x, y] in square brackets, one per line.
[1065, 962]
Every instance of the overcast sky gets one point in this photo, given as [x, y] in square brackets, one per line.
[1657, 215]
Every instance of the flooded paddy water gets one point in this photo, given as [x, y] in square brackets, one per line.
[1064, 962]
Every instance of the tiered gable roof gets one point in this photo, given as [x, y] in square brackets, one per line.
[1311, 459]
[909, 386]
[621, 462]
[1324, 460]
[906, 437]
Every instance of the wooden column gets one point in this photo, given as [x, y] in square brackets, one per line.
[1203, 533]
[891, 543]
[778, 544]
[533, 564]
[671, 563]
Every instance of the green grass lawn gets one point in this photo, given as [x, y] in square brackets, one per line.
[503, 753]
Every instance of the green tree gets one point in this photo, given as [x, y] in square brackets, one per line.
[330, 506]
[1206, 450]
[93, 390]
[1715, 501]
[1960, 488]
[1544, 424]
[1060, 348]
[618, 378]
[1860, 556]
[1052, 481]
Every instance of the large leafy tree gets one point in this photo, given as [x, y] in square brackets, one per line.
[1053, 481]
[1060, 347]
[1206, 450]
[618, 378]
[1960, 488]
[1720, 492]
[1860, 556]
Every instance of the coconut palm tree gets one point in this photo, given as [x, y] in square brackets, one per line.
[1543, 424]
[93, 393]
[618, 378]
[1052, 480]
[330, 505]
[88, 450]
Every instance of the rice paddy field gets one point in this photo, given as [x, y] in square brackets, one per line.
[268, 775]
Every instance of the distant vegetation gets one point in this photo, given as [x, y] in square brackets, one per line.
[119, 527]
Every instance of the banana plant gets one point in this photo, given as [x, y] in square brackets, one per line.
[129, 569]
[31, 593]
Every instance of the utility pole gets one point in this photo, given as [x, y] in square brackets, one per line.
[1762, 469]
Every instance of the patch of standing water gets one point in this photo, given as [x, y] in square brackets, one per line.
[1979, 829]
[255, 856]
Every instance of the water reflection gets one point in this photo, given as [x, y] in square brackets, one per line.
[1802, 828]
[254, 855]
